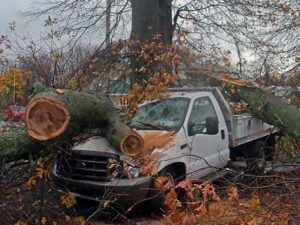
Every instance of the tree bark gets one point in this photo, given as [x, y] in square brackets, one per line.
[16, 145]
[151, 17]
[272, 109]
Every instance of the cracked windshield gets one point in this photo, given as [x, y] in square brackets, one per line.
[168, 114]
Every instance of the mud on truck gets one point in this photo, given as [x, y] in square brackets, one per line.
[206, 138]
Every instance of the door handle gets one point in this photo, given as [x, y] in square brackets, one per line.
[223, 134]
[184, 146]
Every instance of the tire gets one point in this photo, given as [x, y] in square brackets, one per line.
[270, 148]
[256, 158]
[84, 207]
[158, 199]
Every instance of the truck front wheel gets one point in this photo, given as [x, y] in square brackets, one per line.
[158, 197]
[256, 158]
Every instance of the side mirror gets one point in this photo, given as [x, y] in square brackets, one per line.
[212, 125]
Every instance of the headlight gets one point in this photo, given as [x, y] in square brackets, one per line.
[133, 172]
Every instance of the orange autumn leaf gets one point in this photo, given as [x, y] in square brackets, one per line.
[284, 219]
[208, 190]
[233, 194]
[149, 169]
[237, 221]
[162, 183]
[254, 202]
[190, 219]
[170, 198]
[187, 186]
[202, 210]
[68, 200]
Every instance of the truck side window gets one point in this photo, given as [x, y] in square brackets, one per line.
[202, 116]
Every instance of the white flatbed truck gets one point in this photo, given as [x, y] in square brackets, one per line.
[206, 137]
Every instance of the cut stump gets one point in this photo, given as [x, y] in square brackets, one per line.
[46, 119]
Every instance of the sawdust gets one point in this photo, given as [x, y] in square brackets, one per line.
[157, 139]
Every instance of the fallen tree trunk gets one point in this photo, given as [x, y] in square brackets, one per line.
[55, 116]
[272, 110]
[17, 145]
[264, 105]
[54, 113]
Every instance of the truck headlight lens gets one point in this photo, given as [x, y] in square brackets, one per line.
[133, 172]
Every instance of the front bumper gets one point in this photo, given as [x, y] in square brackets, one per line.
[124, 191]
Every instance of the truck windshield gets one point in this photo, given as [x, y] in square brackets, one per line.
[167, 114]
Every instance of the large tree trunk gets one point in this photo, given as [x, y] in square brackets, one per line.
[55, 113]
[151, 17]
[56, 116]
[50, 113]
[15, 145]
[264, 105]
[272, 109]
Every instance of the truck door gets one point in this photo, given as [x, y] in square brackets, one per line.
[204, 138]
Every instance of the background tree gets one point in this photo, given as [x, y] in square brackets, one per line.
[206, 22]
[262, 28]
[47, 59]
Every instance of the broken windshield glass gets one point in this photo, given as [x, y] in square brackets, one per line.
[167, 114]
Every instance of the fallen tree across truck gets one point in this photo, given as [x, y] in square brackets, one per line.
[63, 114]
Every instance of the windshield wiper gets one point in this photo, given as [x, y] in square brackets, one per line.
[158, 127]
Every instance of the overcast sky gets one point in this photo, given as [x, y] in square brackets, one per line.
[9, 10]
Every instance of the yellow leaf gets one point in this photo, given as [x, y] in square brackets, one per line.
[59, 91]
[254, 201]
[142, 70]
[68, 200]
[67, 218]
[249, 219]
[105, 204]
[20, 222]
[43, 221]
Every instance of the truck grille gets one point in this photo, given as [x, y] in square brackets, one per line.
[85, 167]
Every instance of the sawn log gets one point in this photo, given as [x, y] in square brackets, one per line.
[53, 113]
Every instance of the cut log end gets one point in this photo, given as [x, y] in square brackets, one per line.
[132, 144]
[46, 119]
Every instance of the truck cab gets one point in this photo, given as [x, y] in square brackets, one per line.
[199, 126]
